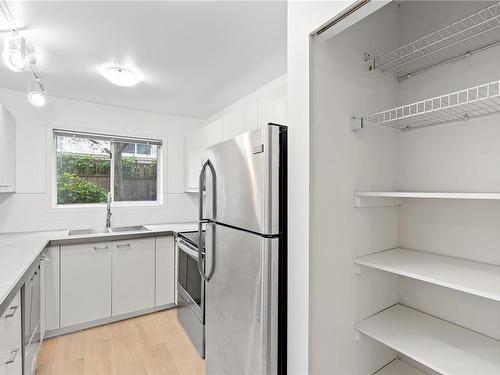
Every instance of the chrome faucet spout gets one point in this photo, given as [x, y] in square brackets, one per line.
[108, 211]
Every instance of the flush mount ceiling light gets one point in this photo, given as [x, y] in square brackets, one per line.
[14, 52]
[121, 76]
[36, 93]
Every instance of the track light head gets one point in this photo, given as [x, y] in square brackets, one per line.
[14, 52]
[36, 94]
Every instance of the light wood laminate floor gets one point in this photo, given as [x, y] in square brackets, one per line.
[153, 344]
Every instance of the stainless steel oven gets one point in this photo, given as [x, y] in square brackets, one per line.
[191, 290]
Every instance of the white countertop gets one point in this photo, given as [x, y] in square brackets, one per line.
[18, 251]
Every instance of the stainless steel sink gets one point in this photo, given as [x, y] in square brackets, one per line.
[80, 232]
[133, 228]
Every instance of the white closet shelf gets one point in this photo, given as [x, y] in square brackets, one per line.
[460, 39]
[428, 195]
[474, 102]
[439, 345]
[466, 276]
[398, 367]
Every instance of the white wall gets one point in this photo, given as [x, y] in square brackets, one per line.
[31, 207]
[303, 18]
[340, 163]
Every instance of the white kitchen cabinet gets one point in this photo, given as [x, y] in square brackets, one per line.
[212, 133]
[165, 271]
[273, 108]
[7, 151]
[241, 120]
[10, 339]
[85, 283]
[133, 275]
[50, 289]
[195, 159]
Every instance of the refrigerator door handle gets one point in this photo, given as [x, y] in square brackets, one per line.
[202, 220]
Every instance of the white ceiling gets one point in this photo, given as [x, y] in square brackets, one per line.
[196, 57]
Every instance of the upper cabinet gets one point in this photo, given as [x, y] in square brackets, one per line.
[7, 151]
[194, 157]
[241, 120]
[273, 108]
[266, 105]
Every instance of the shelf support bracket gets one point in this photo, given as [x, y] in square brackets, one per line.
[356, 123]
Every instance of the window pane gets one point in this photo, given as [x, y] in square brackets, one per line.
[143, 149]
[83, 170]
[129, 148]
[135, 176]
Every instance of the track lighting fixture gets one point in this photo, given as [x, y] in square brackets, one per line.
[14, 52]
[36, 93]
[18, 54]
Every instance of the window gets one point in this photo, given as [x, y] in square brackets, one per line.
[91, 165]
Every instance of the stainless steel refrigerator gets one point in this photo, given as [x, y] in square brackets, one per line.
[244, 210]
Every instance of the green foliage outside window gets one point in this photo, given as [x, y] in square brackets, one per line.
[81, 164]
[77, 174]
[132, 168]
[72, 189]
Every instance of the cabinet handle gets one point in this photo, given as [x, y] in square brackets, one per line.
[4, 185]
[13, 310]
[44, 258]
[123, 245]
[13, 355]
[101, 248]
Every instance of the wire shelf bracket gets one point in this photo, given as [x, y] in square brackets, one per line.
[461, 39]
[463, 105]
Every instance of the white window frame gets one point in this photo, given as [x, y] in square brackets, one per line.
[159, 170]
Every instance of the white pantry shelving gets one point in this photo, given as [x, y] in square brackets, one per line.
[398, 367]
[439, 345]
[476, 278]
[394, 198]
[478, 101]
[429, 195]
[460, 39]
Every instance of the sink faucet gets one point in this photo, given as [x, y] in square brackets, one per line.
[108, 211]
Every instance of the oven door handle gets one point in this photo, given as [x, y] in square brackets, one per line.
[192, 253]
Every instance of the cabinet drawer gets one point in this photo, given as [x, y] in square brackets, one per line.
[10, 335]
[12, 364]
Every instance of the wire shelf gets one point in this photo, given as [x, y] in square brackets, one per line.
[478, 101]
[460, 39]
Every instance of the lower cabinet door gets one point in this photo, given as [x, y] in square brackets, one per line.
[50, 290]
[133, 275]
[85, 283]
[11, 362]
[165, 271]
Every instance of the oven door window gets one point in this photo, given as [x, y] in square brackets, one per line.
[182, 269]
[193, 282]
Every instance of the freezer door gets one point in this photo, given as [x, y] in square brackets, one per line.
[247, 181]
[241, 304]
